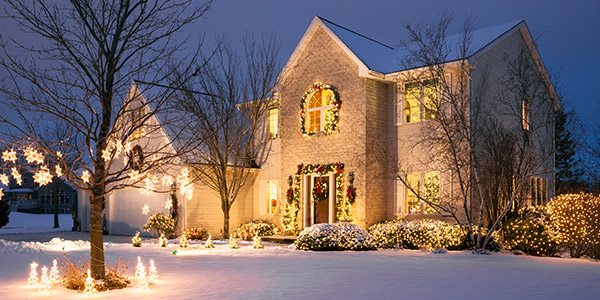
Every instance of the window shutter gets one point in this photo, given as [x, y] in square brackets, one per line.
[399, 103]
[262, 197]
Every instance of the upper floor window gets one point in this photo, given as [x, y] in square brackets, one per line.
[137, 117]
[319, 110]
[427, 186]
[525, 114]
[421, 101]
[273, 123]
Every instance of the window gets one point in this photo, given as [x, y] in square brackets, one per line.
[273, 123]
[426, 185]
[539, 191]
[272, 196]
[525, 114]
[421, 101]
[137, 117]
[317, 108]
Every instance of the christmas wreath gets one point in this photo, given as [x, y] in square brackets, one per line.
[136, 158]
[351, 194]
[319, 191]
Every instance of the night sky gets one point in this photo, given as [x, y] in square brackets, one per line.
[569, 41]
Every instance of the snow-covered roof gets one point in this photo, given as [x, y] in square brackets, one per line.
[20, 190]
[385, 59]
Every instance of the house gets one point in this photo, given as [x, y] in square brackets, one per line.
[30, 197]
[345, 96]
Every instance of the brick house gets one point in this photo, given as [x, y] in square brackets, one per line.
[342, 96]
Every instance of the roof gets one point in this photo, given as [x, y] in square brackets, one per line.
[385, 59]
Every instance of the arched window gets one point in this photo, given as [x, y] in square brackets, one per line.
[319, 110]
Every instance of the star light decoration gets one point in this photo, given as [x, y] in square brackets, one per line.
[43, 176]
[146, 209]
[9, 156]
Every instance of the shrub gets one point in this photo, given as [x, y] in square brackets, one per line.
[74, 275]
[528, 231]
[575, 224]
[196, 233]
[159, 224]
[247, 231]
[4, 211]
[336, 236]
[418, 234]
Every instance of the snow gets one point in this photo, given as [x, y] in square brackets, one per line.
[35, 223]
[281, 272]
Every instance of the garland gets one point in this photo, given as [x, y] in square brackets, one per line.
[351, 193]
[289, 219]
[136, 164]
[320, 191]
[331, 117]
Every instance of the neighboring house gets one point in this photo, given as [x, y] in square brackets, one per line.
[315, 141]
[30, 197]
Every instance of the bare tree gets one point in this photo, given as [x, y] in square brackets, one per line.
[229, 116]
[78, 74]
[474, 131]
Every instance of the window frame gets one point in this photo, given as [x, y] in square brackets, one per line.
[321, 109]
[137, 116]
[272, 136]
[421, 190]
[271, 188]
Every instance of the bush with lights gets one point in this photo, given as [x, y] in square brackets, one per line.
[418, 234]
[196, 233]
[136, 241]
[74, 275]
[575, 223]
[248, 231]
[336, 236]
[159, 224]
[528, 231]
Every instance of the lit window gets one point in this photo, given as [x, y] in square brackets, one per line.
[273, 123]
[429, 190]
[137, 117]
[539, 188]
[272, 197]
[317, 108]
[421, 101]
[525, 114]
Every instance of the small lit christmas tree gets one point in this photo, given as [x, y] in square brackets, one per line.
[54, 276]
[209, 242]
[233, 243]
[137, 240]
[33, 276]
[162, 240]
[257, 242]
[153, 273]
[183, 242]
[44, 284]
[140, 274]
[90, 285]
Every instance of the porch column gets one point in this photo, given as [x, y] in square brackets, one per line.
[331, 198]
[305, 198]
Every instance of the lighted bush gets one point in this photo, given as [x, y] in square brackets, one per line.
[247, 231]
[418, 234]
[74, 275]
[528, 231]
[196, 233]
[159, 224]
[575, 223]
[336, 236]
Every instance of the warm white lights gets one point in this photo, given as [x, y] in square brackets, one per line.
[42, 177]
[9, 156]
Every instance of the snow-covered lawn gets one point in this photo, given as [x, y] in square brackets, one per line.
[280, 272]
[19, 222]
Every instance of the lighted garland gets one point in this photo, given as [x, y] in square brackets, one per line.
[331, 117]
[289, 219]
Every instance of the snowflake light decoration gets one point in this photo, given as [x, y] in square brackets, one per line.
[85, 177]
[33, 156]
[4, 179]
[9, 156]
[187, 188]
[168, 203]
[42, 177]
[16, 175]
[146, 209]
[58, 171]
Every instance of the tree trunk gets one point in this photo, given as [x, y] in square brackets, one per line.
[55, 186]
[96, 239]
[226, 224]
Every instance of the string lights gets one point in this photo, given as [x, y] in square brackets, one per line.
[43, 176]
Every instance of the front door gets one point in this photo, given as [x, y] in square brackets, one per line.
[322, 207]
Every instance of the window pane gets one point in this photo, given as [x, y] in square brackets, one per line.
[314, 121]
[326, 95]
[272, 197]
[412, 105]
[431, 191]
[273, 123]
[412, 201]
[430, 100]
[315, 100]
